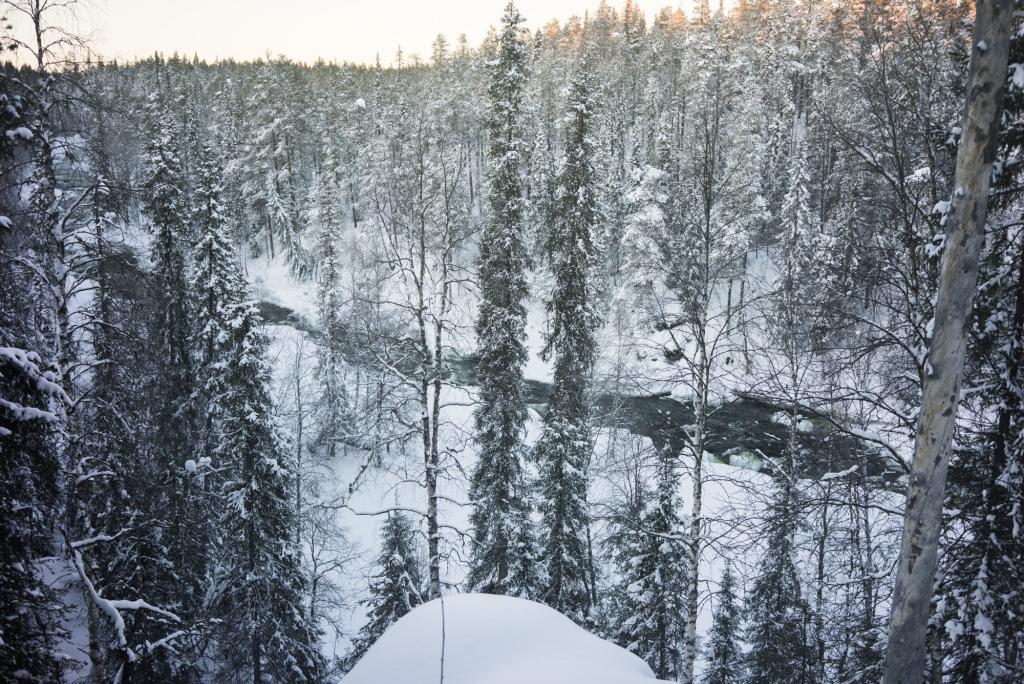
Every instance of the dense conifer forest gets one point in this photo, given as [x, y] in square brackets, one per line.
[703, 328]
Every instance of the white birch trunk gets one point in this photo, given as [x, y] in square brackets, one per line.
[694, 537]
[908, 621]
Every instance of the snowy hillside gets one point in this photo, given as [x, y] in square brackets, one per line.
[482, 639]
[652, 344]
[735, 497]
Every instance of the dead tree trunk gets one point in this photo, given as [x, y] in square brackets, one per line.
[908, 621]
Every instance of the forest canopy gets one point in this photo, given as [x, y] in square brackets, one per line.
[642, 317]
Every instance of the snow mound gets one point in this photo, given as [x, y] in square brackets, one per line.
[494, 640]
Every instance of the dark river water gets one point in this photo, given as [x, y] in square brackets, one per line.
[737, 430]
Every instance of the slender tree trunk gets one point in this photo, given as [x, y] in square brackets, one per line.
[430, 481]
[908, 621]
[257, 666]
[294, 218]
[743, 315]
[430, 454]
[96, 665]
[352, 199]
[270, 235]
[935, 654]
[298, 454]
[728, 303]
[591, 565]
[435, 460]
[314, 585]
[819, 619]
[255, 654]
[693, 543]
[702, 369]
[868, 563]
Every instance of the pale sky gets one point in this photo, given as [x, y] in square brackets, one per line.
[352, 30]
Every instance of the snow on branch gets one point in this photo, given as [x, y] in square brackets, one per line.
[162, 643]
[838, 475]
[25, 413]
[82, 543]
[112, 608]
[28, 362]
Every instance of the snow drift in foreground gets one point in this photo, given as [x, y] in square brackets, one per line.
[494, 640]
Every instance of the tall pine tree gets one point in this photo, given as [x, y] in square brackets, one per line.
[216, 287]
[260, 593]
[30, 417]
[564, 449]
[333, 411]
[216, 278]
[503, 555]
[28, 492]
[776, 612]
[164, 549]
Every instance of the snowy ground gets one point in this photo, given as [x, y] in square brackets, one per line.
[480, 639]
[734, 497]
[60, 575]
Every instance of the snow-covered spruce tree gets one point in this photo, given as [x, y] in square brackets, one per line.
[799, 242]
[503, 553]
[395, 587]
[269, 167]
[29, 466]
[216, 286]
[190, 146]
[166, 551]
[164, 205]
[622, 545]
[115, 521]
[333, 408]
[260, 592]
[645, 228]
[29, 458]
[724, 656]
[775, 611]
[650, 552]
[542, 167]
[216, 278]
[564, 449]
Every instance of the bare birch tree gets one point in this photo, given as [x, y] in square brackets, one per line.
[908, 621]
